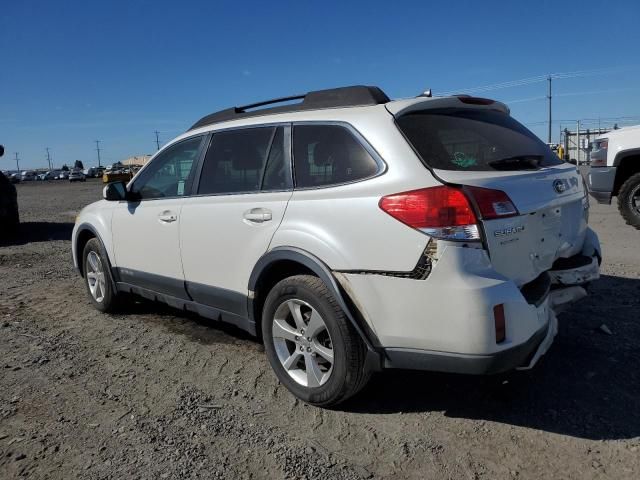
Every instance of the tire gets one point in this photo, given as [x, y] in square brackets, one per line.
[336, 381]
[628, 194]
[94, 259]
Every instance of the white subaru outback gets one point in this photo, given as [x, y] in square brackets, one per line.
[352, 233]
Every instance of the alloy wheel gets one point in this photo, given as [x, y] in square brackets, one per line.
[302, 343]
[95, 277]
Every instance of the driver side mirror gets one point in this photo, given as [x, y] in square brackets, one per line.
[115, 192]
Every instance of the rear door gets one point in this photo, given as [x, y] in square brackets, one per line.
[489, 149]
[242, 195]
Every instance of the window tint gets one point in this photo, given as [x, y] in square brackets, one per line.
[471, 140]
[329, 155]
[245, 160]
[169, 173]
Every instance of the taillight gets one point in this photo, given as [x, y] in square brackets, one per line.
[441, 212]
[599, 153]
[493, 203]
[445, 212]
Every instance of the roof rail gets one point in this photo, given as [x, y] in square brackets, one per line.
[358, 95]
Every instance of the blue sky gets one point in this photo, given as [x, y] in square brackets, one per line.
[77, 71]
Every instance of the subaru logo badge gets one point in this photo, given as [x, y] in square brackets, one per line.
[559, 186]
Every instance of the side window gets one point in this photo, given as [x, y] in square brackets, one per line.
[245, 160]
[168, 174]
[329, 155]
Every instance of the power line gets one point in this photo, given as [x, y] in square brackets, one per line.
[98, 150]
[538, 79]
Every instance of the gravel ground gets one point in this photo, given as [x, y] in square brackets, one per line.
[158, 394]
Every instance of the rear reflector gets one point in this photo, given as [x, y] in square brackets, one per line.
[441, 212]
[500, 323]
[493, 203]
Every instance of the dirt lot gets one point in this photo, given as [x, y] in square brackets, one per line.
[157, 394]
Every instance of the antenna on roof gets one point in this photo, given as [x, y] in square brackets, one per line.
[426, 93]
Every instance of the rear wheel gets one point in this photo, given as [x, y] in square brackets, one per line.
[97, 276]
[311, 345]
[629, 200]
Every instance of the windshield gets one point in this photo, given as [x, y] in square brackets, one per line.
[474, 140]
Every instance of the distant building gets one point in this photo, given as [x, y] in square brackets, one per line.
[136, 160]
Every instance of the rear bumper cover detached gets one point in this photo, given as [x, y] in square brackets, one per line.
[418, 330]
[502, 361]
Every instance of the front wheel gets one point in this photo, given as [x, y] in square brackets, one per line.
[311, 345]
[629, 201]
[98, 280]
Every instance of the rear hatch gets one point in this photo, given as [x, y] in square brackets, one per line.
[486, 148]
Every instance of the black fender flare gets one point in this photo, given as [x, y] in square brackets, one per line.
[88, 227]
[320, 269]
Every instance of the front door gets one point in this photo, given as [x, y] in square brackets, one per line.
[146, 229]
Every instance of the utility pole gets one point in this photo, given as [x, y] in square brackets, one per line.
[549, 97]
[578, 141]
[157, 140]
[98, 150]
[17, 162]
[48, 158]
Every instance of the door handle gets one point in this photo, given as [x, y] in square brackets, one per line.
[167, 216]
[258, 215]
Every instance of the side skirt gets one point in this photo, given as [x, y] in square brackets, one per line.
[189, 305]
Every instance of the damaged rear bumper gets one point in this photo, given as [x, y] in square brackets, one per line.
[418, 330]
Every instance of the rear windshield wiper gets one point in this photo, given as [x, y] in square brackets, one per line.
[517, 162]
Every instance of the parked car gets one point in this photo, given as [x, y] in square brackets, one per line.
[352, 233]
[64, 175]
[15, 178]
[50, 175]
[615, 171]
[77, 176]
[28, 176]
[9, 215]
[116, 176]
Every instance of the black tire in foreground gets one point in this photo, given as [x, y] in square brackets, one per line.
[629, 201]
[310, 343]
[97, 278]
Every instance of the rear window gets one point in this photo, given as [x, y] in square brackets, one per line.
[474, 140]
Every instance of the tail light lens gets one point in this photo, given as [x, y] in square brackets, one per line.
[599, 153]
[493, 203]
[441, 212]
[445, 212]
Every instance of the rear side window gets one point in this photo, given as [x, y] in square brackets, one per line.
[329, 155]
[246, 160]
[474, 140]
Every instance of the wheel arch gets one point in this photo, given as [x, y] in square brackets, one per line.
[84, 233]
[283, 262]
[627, 163]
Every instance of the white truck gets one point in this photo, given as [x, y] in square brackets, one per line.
[615, 171]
